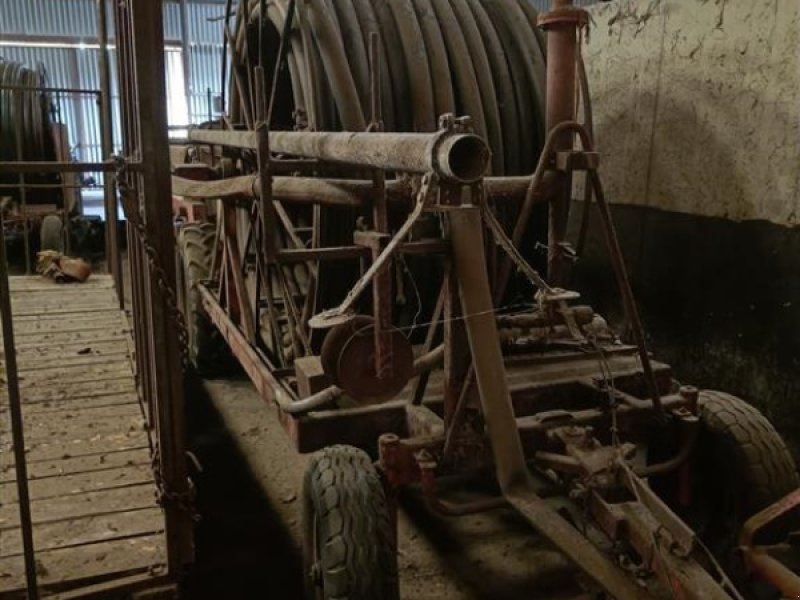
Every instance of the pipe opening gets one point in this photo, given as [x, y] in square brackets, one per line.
[467, 158]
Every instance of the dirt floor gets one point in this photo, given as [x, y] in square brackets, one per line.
[250, 521]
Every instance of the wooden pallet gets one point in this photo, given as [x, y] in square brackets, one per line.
[93, 499]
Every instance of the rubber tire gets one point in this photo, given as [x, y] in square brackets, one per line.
[208, 350]
[345, 507]
[745, 467]
[51, 234]
[764, 461]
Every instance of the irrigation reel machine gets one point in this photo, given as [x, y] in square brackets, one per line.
[368, 259]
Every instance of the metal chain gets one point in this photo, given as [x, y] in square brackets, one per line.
[168, 293]
[184, 501]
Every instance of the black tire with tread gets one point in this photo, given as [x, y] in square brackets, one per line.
[764, 464]
[740, 466]
[346, 515]
[51, 234]
[208, 350]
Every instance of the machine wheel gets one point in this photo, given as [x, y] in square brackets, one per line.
[741, 466]
[207, 348]
[51, 234]
[349, 550]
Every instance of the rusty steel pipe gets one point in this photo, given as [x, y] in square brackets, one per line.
[331, 192]
[562, 24]
[429, 361]
[314, 402]
[460, 157]
[690, 430]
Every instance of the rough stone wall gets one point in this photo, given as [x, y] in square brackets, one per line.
[697, 105]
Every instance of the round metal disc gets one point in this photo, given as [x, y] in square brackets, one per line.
[356, 369]
[348, 358]
[335, 341]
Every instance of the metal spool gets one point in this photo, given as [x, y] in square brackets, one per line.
[26, 129]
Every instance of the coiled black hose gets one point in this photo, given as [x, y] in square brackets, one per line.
[482, 58]
[25, 129]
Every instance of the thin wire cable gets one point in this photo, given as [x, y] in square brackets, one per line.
[410, 274]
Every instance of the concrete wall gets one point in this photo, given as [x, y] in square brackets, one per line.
[697, 110]
[698, 105]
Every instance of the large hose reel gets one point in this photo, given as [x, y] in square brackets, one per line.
[393, 66]
[26, 132]
[482, 58]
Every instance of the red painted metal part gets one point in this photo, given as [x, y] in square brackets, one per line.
[760, 563]
[757, 559]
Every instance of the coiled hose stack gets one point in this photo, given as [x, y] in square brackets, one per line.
[482, 58]
[25, 129]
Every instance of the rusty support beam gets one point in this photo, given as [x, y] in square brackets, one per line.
[466, 230]
[146, 21]
[562, 24]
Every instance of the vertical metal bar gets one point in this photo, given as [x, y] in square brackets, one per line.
[113, 256]
[562, 49]
[150, 94]
[135, 265]
[224, 75]
[186, 56]
[15, 410]
[76, 111]
[269, 219]
[283, 48]
[23, 193]
[209, 99]
[382, 284]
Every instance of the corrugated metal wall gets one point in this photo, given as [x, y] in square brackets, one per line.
[76, 19]
[60, 36]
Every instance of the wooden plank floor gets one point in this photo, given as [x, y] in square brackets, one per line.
[92, 491]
